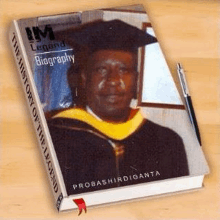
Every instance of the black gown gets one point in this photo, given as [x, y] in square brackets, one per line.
[90, 160]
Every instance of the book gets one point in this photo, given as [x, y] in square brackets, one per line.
[110, 121]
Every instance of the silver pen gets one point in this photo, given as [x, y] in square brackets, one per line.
[188, 100]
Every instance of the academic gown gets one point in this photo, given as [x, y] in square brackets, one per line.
[96, 155]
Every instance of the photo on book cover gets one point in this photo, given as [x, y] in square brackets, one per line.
[97, 74]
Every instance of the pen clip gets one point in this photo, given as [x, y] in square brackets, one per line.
[182, 79]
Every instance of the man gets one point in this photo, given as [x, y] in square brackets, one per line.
[107, 144]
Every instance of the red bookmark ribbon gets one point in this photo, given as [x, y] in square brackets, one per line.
[81, 205]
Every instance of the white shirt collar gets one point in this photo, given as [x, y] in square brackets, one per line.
[89, 110]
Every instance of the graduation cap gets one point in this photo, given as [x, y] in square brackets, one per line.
[114, 34]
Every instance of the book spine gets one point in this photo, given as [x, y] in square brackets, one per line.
[37, 115]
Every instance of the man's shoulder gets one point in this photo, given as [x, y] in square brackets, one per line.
[62, 126]
[160, 132]
[154, 127]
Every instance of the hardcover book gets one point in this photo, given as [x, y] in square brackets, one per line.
[110, 119]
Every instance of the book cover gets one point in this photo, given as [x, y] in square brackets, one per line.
[110, 120]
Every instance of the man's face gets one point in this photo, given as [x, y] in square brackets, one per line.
[110, 82]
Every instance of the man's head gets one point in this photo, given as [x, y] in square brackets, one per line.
[110, 81]
[107, 60]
